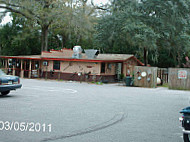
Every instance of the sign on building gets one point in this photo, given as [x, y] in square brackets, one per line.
[182, 74]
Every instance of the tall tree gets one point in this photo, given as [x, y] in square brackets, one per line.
[123, 28]
[153, 25]
[78, 25]
[43, 12]
[170, 19]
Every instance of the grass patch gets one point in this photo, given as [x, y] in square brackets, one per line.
[97, 83]
[165, 85]
[178, 88]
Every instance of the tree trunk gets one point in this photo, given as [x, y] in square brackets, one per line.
[44, 38]
[145, 56]
[0, 49]
[63, 40]
[179, 58]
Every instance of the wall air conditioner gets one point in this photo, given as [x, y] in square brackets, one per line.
[45, 63]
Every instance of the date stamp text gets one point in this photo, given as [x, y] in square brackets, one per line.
[25, 126]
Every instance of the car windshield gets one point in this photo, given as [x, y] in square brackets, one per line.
[2, 73]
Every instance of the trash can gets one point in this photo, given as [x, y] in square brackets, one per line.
[128, 80]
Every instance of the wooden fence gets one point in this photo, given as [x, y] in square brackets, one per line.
[145, 76]
[179, 78]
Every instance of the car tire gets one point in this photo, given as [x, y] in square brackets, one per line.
[5, 93]
[185, 137]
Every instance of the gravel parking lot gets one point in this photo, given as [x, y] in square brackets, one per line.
[63, 111]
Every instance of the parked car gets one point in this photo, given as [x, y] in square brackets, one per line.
[8, 83]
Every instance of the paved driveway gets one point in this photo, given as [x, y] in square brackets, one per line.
[80, 112]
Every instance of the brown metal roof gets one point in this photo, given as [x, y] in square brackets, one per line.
[65, 55]
[114, 56]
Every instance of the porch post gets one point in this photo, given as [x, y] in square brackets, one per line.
[6, 65]
[14, 70]
[30, 69]
[39, 67]
[124, 69]
[21, 70]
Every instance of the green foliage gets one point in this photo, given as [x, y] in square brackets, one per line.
[77, 27]
[18, 38]
[141, 35]
[187, 64]
[99, 83]
[159, 26]
[170, 20]
[165, 85]
[62, 23]
[43, 13]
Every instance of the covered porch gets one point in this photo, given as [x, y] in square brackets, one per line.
[22, 67]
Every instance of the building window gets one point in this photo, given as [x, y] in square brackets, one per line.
[103, 67]
[56, 65]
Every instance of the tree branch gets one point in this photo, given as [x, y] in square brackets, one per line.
[16, 11]
[8, 6]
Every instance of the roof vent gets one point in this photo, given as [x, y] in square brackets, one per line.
[77, 52]
[91, 53]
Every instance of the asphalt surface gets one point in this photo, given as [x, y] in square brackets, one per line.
[82, 112]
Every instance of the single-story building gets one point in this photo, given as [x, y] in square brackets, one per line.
[71, 64]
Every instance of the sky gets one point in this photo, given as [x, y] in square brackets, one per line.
[7, 18]
[100, 1]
